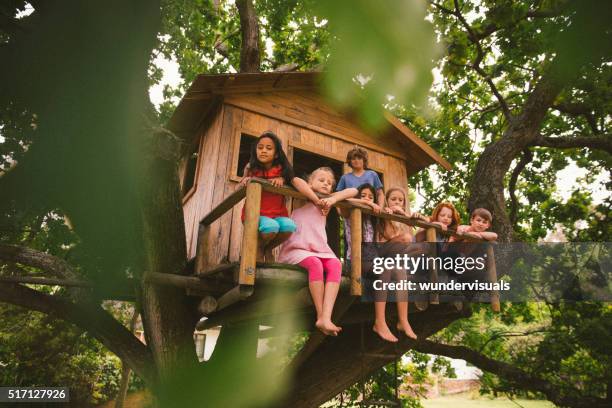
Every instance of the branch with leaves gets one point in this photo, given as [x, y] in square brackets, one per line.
[521, 378]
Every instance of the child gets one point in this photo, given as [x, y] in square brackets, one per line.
[446, 216]
[366, 194]
[397, 234]
[308, 248]
[268, 161]
[357, 159]
[480, 221]
[395, 231]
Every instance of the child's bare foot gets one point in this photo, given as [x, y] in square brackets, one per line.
[327, 327]
[406, 329]
[383, 331]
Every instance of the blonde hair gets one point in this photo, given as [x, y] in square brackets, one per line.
[401, 190]
[327, 169]
[454, 213]
[395, 226]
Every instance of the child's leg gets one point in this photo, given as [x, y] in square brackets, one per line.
[380, 321]
[268, 229]
[402, 315]
[333, 271]
[316, 286]
[402, 305]
[286, 227]
[315, 281]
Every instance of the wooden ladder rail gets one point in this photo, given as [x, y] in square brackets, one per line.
[248, 259]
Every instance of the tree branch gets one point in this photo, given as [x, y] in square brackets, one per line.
[512, 374]
[599, 142]
[90, 317]
[250, 59]
[52, 265]
[577, 109]
[480, 54]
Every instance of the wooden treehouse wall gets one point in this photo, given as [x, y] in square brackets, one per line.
[302, 122]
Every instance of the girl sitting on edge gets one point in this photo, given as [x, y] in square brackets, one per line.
[308, 248]
[268, 161]
[398, 236]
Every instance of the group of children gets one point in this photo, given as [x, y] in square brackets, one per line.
[303, 236]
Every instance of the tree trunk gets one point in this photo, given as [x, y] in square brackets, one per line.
[168, 317]
[249, 53]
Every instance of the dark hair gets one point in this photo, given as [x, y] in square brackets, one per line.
[357, 152]
[366, 217]
[280, 158]
[482, 212]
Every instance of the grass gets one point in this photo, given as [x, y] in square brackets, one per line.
[468, 400]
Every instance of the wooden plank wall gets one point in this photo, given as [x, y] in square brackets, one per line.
[216, 168]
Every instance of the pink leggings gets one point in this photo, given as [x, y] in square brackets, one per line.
[315, 267]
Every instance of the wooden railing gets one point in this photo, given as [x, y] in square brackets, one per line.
[247, 266]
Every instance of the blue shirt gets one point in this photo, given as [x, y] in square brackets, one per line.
[349, 180]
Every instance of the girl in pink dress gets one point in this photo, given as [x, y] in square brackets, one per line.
[308, 247]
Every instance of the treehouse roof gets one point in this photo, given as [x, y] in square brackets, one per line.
[209, 90]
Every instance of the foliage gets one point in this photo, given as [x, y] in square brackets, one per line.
[36, 350]
[81, 150]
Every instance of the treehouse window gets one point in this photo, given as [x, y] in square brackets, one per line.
[191, 169]
[303, 164]
[244, 152]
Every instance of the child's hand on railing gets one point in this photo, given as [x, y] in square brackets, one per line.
[442, 226]
[244, 181]
[389, 210]
[377, 209]
[327, 202]
[419, 216]
[277, 181]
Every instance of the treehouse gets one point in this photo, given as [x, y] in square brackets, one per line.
[219, 118]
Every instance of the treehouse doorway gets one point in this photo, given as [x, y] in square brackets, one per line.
[304, 163]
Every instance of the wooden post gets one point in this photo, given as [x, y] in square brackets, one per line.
[434, 298]
[492, 277]
[355, 222]
[202, 248]
[250, 235]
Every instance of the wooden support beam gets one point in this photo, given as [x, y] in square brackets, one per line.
[492, 277]
[434, 298]
[250, 237]
[257, 310]
[317, 337]
[355, 222]
[216, 269]
[235, 295]
[187, 282]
